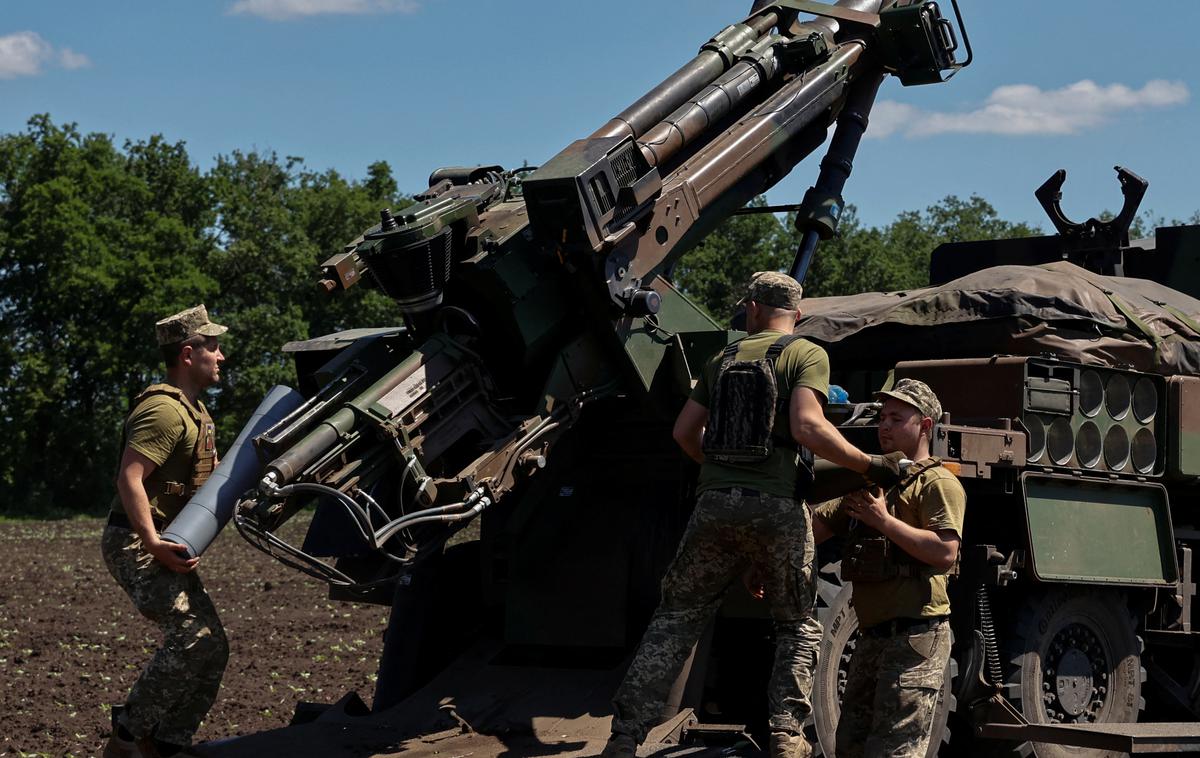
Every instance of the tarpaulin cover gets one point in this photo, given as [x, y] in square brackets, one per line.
[1056, 308]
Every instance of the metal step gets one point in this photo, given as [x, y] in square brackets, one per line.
[1152, 737]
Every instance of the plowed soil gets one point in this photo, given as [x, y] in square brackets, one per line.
[71, 644]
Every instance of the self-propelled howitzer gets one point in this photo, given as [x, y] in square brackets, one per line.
[544, 353]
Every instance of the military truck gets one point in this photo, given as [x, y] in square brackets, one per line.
[499, 469]
[1069, 366]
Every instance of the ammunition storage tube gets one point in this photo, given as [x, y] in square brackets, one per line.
[748, 145]
[327, 433]
[754, 67]
[713, 59]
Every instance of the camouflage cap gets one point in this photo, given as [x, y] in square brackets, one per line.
[186, 324]
[917, 394]
[774, 289]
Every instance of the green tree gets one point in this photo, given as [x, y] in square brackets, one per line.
[276, 222]
[715, 272]
[95, 244]
[896, 256]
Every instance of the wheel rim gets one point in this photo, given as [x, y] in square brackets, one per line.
[1074, 659]
[1075, 677]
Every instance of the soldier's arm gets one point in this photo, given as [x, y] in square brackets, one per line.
[689, 429]
[131, 485]
[811, 429]
[937, 548]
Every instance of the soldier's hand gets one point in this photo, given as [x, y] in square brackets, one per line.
[173, 556]
[884, 470]
[868, 506]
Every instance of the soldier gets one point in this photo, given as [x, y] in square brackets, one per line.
[754, 415]
[168, 451]
[902, 545]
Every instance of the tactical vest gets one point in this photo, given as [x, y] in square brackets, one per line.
[166, 494]
[744, 403]
[870, 557]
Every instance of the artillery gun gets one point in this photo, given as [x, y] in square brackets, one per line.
[499, 469]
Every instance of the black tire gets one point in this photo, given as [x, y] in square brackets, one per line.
[840, 626]
[1074, 657]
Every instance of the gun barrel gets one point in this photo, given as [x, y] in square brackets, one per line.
[711, 104]
[712, 61]
[721, 164]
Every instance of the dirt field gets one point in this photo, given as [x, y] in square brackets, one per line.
[71, 644]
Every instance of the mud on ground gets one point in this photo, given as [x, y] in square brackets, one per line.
[71, 644]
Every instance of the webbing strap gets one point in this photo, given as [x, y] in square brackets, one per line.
[1187, 320]
[729, 354]
[782, 399]
[1133, 319]
[778, 346]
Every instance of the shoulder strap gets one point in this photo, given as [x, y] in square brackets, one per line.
[778, 346]
[917, 469]
[166, 390]
[729, 354]
[773, 352]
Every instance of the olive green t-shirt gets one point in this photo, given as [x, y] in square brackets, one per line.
[162, 431]
[935, 500]
[801, 364]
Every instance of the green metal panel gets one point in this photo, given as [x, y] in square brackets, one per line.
[1099, 532]
[648, 341]
[1183, 418]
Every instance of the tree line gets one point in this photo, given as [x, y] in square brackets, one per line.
[100, 240]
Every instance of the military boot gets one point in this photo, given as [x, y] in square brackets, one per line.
[122, 744]
[121, 748]
[152, 748]
[620, 746]
[785, 745]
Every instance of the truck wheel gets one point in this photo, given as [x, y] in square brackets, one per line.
[840, 626]
[1075, 659]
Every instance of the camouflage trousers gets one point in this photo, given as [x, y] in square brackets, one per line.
[180, 683]
[727, 534]
[891, 694]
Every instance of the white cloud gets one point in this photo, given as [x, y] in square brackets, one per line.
[1023, 109]
[889, 117]
[22, 54]
[69, 59]
[25, 53]
[282, 10]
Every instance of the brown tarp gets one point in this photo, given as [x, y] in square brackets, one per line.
[1056, 308]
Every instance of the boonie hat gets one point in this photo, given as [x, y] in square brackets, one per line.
[917, 394]
[186, 324]
[774, 289]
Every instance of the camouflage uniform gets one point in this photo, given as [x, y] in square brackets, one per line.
[897, 670]
[178, 686]
[180, 683]
[891, 693]
[727, 533]
[732, 528]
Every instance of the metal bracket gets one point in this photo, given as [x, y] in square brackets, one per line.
[837, 12]
[1115, 231]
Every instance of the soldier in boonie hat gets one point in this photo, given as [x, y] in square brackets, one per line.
[187, 323]
[168, 451]
[902, 547]
[917, 394]
[775, 289]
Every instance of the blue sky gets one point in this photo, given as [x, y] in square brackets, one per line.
[425, 83]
